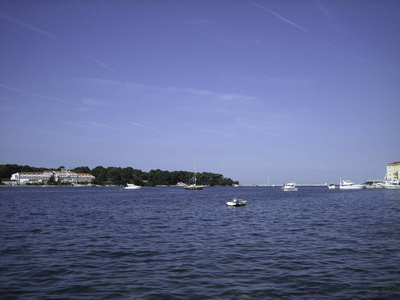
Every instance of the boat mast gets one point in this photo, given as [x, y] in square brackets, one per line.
[194, 160]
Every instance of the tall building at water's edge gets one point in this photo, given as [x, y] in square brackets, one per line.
[393, 171]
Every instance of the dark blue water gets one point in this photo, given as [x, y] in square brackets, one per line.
[169, 243]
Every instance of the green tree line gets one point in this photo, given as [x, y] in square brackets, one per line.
[122, 176]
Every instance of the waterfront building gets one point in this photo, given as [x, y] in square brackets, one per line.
[84, 177]
[65, 176]
[32, 177]
[393, 171]
[59, 176]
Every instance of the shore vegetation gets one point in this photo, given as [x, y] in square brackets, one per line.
[122, 176]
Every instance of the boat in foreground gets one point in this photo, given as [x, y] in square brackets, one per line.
[236, 202]
[290, 187]
[349, 185]
[131, 186]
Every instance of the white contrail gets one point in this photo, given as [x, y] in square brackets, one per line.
[36, 95]
[144, 126]
[280, 17]
[30, 27]
[100, 63]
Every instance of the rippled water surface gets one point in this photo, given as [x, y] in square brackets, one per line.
[169, 243]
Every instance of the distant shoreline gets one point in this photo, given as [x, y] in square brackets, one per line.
[121, 186]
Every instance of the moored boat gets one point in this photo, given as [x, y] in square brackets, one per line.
[290, 187]
[331, 186]
[194, 186]
[391, 184]
[349, 185]
[131, 186]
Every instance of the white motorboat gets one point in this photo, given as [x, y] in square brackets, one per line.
[331, 186]
[349, 185]
[236, 202]
[392, 184]
[131, 186]
[290, 187]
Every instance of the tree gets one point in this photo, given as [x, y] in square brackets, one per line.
[51, 181]
[114, 175]
[82, 170]
[7, 170]
[127, 175]
[101, 175]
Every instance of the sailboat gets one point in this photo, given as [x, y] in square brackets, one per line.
[194, 186]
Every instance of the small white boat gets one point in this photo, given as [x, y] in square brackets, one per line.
[349, 185]
[331, 186]
[131, 186]
[236, 202]
[290, 187]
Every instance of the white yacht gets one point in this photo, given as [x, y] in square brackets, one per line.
[290, 187]
[391, 184]
[349, 185]
[131, 186]
[331, 186]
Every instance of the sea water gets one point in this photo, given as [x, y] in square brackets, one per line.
[169, 243]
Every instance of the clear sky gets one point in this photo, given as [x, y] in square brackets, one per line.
[258, 90]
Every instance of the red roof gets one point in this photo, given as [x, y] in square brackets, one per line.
[395, 163]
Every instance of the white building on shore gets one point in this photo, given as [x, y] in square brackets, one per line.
[393, 171]
[63, 176]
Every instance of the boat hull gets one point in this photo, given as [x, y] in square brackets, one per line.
[194, 187]
[392, 186]
[352, 187]
[236, 202]
[132, 187]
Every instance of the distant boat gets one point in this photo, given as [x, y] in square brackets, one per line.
[392, 184]
[194, 186]
[131, 186]
[349, 185]
[236, 202]
[331, 186]
[290, 187]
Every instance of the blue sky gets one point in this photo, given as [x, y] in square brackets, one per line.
[258, 90]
